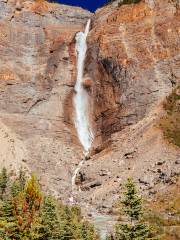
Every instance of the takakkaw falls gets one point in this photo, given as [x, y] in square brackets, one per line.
[82, 99]
[83, 125]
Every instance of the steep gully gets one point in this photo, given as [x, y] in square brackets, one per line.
[84, 129]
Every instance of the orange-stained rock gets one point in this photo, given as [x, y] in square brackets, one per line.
[40, 7]
[87, 83]
[133, 61]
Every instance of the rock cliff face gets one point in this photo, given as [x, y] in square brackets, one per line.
[37, 75]
[135, 48]
[132, 64]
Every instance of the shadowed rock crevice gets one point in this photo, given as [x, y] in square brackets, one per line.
[110, 84]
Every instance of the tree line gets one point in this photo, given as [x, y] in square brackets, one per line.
[27, 214]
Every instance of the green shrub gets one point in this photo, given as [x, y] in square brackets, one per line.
[163, 214]
[170, 123]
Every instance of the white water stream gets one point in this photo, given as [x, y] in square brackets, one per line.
[81, 101]
[82, 98]
[83, 126]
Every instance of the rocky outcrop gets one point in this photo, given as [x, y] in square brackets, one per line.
[132, 64]
[133, 60]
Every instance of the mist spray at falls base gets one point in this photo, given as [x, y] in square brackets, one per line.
[82, 102]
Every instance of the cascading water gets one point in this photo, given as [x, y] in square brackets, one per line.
[81, 100]
[83, 126]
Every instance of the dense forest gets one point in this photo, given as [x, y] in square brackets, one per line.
[27, 214]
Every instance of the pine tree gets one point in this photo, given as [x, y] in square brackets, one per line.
[22, 179]
[132, 208]
[49, 228]
[25, 216]
[132, 203]
[3, 182]
[67, 229]
[8, 223]
[88, 232]
[15, 188]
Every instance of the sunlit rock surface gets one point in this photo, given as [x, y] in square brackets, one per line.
[37, 76]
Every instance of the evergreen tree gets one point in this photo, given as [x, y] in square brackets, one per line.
[88, 232]
[26, 215]
[67, 229]
[132, 208]
[3, 182]
[18, 184]
[8, 223]
[15, 188]
[22, 179]
[132, 203]
[49, 228]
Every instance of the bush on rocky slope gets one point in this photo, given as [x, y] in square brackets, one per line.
[170, 124]
[131, 224]
[164, 214]
[26, 214]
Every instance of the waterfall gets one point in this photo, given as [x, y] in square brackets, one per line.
[82, 98]
[81, 101]
[83, 126]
